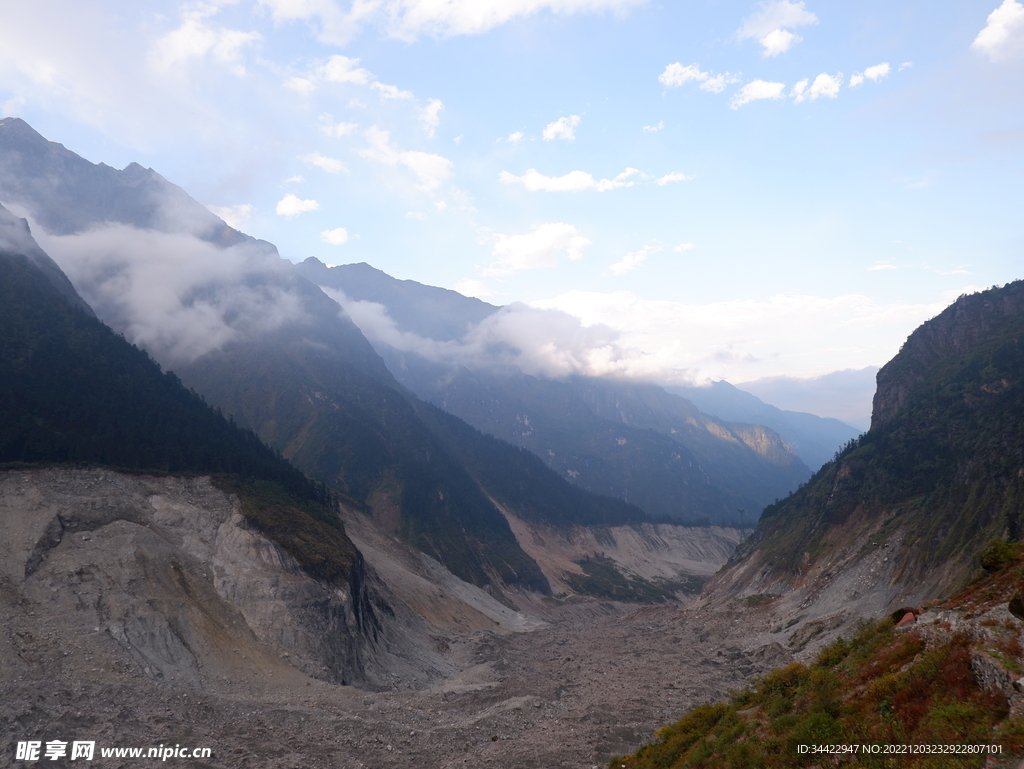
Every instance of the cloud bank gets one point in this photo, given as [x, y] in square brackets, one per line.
[175, 295]
[620, 334]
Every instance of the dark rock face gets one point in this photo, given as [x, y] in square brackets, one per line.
[956, 331]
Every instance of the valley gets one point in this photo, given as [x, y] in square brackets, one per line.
[202, 632]
[318, 516]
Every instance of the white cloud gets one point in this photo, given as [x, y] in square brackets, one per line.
[471, 287]
[574, 181]
[881, 266]
[336, 237]
[539, 248]
[538, 342]
[905, 65]
[655, 128]
[717, 83]
[431, 170]
[291, 205]
[417, 215]
[338, 130]
[778, 41]
[632, 260]
[824, 85]
[742, 339]
[675, 176]
[684, 247]
[873, 73]
[234, 216]
[563, 128]
[756, 89]
[330, 165]
[515, 137]
[175, 295]
[1003, 35]
[411, 18]
[300, 85]
[390, 91]
[430, 117]
[676, 75]
[329, 23]
[771, 24]
[342, 69]
[195, 38]
[877, 72]
[295, 180]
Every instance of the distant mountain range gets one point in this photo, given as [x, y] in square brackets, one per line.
[260, 339]
[632, 440]
[845, 395]
[287, 363]
[814, 439]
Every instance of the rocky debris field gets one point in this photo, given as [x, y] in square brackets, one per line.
[596, 681]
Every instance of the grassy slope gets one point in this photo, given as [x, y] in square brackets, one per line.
[883, 686]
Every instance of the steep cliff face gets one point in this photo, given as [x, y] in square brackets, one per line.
[162, 574]
[904, 512]
[971, 322]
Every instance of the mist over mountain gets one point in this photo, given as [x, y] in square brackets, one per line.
[492, 367]
[16, 240]
[414, 308]
[278, 355]
[68, 195]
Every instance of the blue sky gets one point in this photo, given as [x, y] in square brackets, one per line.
[736, 189]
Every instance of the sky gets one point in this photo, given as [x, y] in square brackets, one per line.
[736, 190]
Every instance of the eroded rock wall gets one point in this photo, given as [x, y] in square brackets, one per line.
[166, 569]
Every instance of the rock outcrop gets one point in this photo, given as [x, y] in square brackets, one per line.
[166, 570]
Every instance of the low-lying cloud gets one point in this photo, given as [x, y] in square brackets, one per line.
[620, 334]
[539, 342]
[175, 295]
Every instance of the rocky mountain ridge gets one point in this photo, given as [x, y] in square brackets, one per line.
[904, 513]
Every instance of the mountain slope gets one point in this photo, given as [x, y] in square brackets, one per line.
[67, 194]
[437, 313]
[258, 340]
[72, 391]
[944, 677]
[632, 441]
[903, 514]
